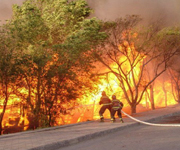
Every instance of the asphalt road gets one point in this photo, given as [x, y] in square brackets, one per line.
[140, 137]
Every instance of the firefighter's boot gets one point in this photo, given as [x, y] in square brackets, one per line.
[121, 120]
[113, 120]
[101, 119]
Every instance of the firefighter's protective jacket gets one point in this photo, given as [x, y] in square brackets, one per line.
[105, 100]
[116, 104]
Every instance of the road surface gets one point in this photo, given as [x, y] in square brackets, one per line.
[141, 137]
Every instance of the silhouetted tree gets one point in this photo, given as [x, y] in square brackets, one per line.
[55, 37]
[131, 49]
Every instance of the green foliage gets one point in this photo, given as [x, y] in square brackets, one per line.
[54, 65]
[8, 69]
[64, 17]
[8, 56]
[28, 25]
[170, 31]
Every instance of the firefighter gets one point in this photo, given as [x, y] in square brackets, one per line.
[106, 102]
[117, 105]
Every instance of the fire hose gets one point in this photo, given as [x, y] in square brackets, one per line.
[151, 124]
[143, 122]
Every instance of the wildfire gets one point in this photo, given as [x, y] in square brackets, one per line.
[88, 107]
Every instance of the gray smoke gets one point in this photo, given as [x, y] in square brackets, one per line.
[6, 9]
[149, 10]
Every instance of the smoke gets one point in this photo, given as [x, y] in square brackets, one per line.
[149, 10]
[6, 9]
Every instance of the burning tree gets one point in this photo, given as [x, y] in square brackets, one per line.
[131, 50]
[175, 81]
[8, 72]
[54, 37]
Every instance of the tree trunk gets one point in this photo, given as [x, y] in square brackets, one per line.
[4, 109]
[165, 94]
[178, 96]
[133, 108]
[152, 98]
[38, 102]
[1, 129]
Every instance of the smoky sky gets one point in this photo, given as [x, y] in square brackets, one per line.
[6, 9]
[169, 10]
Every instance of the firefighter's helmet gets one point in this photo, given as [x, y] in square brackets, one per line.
[103, 93]
[113, 96]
